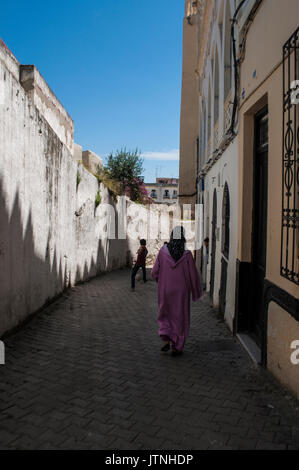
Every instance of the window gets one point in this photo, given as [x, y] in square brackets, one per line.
[289, 261]
[166, 194]
[153, 193]
[225, 222]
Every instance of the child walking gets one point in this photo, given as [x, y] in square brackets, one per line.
[140, 263]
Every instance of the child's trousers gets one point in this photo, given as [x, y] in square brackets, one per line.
[134, 272]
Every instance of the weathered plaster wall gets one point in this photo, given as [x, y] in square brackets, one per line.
[52, 233]
[49, 231]
[155, 223]
[9, 60]
[91, 161]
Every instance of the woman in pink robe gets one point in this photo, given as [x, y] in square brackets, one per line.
[178, 279]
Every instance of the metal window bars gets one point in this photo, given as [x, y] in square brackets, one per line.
[289, 262]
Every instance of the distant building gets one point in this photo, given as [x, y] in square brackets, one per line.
[164, 190]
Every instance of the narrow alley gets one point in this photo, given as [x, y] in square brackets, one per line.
[87, 373]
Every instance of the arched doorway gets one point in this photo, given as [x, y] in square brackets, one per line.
[201, 263]
[213, 244]
[224, 248]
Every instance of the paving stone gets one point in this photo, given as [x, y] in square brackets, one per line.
[242, 443]
[88, 373]
[264, 445]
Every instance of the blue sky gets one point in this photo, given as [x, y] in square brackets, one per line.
[114, 64]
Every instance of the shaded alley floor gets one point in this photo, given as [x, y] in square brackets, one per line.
[87, 373]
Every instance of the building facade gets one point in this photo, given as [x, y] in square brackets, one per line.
[247, 169]
[163, 191]
[189, 109]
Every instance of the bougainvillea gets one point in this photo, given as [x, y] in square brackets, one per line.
[122, 176]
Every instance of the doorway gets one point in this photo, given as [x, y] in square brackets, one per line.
[224, 248]
[259, 222]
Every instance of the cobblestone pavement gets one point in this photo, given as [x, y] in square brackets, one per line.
[87, 373]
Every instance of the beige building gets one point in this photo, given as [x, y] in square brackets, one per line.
[163, 191]
[247, 168]
[189, 109]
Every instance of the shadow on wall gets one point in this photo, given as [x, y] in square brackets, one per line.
[29, 280]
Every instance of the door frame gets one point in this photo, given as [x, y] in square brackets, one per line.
[244, 264]
[252, 322]
[225, 225]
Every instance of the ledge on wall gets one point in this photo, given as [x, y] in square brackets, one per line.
[91, 161]
[251, 347]
[47, 103]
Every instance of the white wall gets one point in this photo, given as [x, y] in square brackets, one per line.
[49, 237]
[52, 234]
[47, 103]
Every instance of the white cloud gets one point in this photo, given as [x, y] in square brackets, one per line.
[170, 155]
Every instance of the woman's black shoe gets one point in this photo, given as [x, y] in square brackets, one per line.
[175, 352]
[166, 347]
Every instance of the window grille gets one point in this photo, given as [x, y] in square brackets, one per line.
[289, 264]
